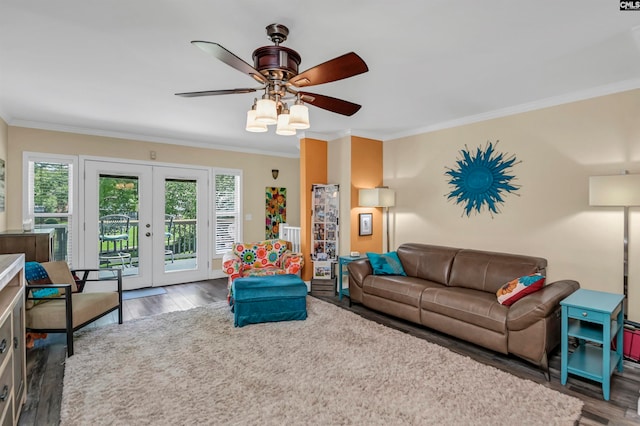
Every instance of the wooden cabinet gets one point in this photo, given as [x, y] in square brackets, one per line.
[37, 245]
[13, 360]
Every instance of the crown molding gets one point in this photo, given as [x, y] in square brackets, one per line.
[145, 138]
[595, 92]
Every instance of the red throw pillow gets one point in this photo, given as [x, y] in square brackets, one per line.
[516, 289]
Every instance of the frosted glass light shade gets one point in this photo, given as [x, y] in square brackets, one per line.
[299, 117]
[616, 190]
[266, 111]
[252, 124]
[377, 197]
[283, 127]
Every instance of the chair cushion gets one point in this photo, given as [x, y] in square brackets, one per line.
[86, 306]
[262, 254]
[264, 272]
[38, 273]
[59, 273]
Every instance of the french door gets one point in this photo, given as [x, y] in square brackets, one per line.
[149, 221]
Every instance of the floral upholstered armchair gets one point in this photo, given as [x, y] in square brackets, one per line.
[270, 257]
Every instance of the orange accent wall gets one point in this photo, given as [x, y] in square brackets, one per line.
[313, 169]
[366, 172]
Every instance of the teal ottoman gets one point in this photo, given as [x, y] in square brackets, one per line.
[268, 299]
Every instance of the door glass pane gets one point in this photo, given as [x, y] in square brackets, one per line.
[118, 208]
[181, 224]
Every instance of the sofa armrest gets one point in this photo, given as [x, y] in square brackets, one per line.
[358, 271]
[540, 304]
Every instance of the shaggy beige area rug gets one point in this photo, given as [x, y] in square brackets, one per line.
[194, 368]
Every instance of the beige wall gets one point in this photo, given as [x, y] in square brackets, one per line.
[339, 172]
[256, 169]
[4, 129]
[560, 147]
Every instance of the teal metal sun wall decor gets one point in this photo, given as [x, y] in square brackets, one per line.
[479, 180]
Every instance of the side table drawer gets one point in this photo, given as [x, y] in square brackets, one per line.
[587, 315]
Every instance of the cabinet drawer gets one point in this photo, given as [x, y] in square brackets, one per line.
[5, 338]
[587, 315]
[6, 387]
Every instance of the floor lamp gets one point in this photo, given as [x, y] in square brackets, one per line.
[621, 191]
[378, 197]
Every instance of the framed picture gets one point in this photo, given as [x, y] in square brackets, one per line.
[366, 224]
[322, 270]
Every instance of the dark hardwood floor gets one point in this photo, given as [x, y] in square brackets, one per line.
[45, 361]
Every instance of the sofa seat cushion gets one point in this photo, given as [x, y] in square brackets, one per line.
[86, 306]
[405, 290]
[472, 306]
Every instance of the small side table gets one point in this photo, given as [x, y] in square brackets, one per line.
[597, 317]
[342, 271]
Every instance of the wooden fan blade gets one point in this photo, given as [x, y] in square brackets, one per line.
[338, 68]
[215, 92]
[230, 59]
[336, 105]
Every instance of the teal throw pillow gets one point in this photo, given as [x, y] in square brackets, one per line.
[386, 264]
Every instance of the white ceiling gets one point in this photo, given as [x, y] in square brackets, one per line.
[112, 67]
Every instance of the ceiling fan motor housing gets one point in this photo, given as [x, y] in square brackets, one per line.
[276, 62]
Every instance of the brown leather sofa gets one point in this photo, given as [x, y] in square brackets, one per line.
[453, 290]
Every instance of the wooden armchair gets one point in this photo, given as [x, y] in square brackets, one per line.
[58, 303]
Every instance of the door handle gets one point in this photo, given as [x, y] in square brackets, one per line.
[148, 234]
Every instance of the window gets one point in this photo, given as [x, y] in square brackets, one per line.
[49, 198]
[228, 224]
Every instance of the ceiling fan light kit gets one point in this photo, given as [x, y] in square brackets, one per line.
[276, 67]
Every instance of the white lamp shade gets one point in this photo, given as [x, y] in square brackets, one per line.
[266, 111]
[283, 126]
[617, 190]
[377, 197]
[252, 124]
[299, 117]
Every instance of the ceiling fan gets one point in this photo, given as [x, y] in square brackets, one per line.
[276, 68]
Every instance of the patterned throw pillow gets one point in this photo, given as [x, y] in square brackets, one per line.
[386, 264]
[516, 289]
[35, 274]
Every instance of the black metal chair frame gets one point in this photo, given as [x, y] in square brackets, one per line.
[68, 300]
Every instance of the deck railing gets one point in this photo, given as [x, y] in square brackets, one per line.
[182, 241]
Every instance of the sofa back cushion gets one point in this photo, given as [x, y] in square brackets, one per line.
[428, 262]
[488, 271]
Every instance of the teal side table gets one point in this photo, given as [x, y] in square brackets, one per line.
[342, 271]
[597, 317]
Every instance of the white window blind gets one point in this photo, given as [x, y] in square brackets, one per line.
[227, 210]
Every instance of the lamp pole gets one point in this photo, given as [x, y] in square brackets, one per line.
[625, 261]
[388, 242]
